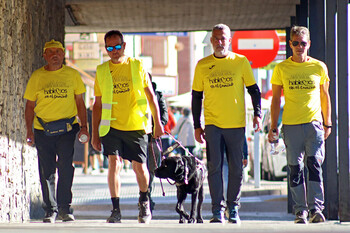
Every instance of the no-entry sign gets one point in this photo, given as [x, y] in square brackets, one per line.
[260, 47]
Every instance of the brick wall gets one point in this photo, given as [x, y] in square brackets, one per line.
[25, 25]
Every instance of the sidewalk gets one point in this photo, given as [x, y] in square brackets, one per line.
[263, 209]
[91, 199]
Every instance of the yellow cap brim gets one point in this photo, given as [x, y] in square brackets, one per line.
[53, 44]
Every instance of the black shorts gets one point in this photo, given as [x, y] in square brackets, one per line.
[130, 145]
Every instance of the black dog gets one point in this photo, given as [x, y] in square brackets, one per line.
[188, 173]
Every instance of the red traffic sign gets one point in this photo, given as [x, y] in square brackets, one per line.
[260, 47]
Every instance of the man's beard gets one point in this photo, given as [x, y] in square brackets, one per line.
[222, 51]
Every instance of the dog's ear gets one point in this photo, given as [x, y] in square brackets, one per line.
[163, 163]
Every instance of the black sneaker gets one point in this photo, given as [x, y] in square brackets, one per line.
[232, 215]
[316, 216]
[115, 217]
[50, 217]
[301, 217]
[218, 217]
[66, 216]
[145, 215]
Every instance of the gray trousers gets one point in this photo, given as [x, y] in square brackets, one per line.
[305, 144]
[219, 141]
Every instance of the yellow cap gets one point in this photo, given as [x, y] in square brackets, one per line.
[53, 44]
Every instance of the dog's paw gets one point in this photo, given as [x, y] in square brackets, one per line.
[191, 220]
[199, 220]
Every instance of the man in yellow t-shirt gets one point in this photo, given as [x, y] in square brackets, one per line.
[55, 92]
[123, 93]
[221, 77]
[305, 83]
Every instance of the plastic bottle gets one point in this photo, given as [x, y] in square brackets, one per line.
[274, 143]
[83, 138]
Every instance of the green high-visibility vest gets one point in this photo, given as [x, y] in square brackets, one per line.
[105, 81]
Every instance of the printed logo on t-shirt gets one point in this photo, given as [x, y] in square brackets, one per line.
[121, 85]
[300, 83]
[221, 79]
[120, 88]
[56, 90]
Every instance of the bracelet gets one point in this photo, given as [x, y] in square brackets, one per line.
[327, 126]
[83, 126]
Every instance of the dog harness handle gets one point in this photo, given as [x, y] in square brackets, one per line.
[155, 161]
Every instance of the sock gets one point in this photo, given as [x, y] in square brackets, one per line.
[143, 196]
[115, 202]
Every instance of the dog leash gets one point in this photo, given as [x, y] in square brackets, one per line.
[188, 152]
[170, 149]
[159, 145]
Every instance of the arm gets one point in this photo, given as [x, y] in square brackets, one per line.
[152, 100]
[96, 119]
[29, 118]
[255, 94]
[82, 115]
[326, 108]
[275, 109]
[197, 97]
[163, 109]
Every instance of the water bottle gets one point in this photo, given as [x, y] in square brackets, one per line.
[83, 138]
[274, 143]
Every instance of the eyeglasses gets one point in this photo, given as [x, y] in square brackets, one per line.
[116, 47]
[296, 43]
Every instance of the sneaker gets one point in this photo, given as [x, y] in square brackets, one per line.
[301, 217]
[93, 171]
[115, 217]
[50, 217]
[145, 215]
[65, 216]
[218, 217]
[232, 215]
[316, 216]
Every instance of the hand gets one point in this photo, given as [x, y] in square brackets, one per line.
[245, 163]
[84, 130]
[30, 138]
[96, 142]
[257, 123]
[327, 132]
[199, 135]
[158, 131]
[273, 135]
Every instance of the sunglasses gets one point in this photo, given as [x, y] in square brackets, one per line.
[111, 48]
[296, 43]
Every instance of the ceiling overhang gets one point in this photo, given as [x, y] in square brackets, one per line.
[179, 15]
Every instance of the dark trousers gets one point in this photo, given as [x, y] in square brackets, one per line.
[56, 152]
[219, 141]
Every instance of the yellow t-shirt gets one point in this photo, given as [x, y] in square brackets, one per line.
[125, 111]
[54, 93]
[301, 87]
[222, 80]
